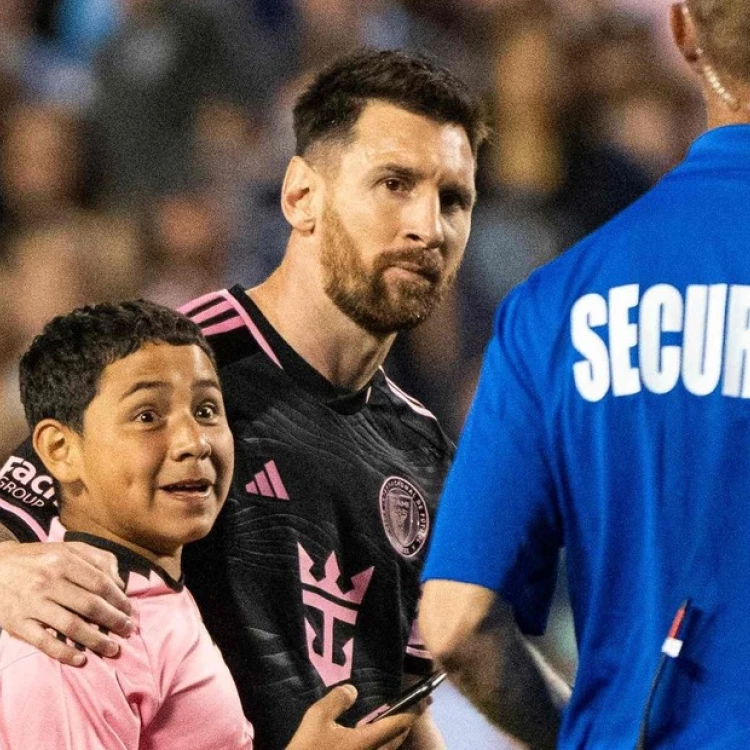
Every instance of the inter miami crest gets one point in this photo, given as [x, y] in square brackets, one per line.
[405, 516]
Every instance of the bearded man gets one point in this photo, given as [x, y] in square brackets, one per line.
[303, 582]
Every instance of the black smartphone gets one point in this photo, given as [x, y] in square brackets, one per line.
[410, 697]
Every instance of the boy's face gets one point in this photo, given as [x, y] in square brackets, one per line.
[156, 455]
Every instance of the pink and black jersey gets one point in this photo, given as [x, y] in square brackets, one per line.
[311, 574]
[167, 688]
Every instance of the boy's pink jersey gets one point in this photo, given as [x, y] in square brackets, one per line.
[168, 688]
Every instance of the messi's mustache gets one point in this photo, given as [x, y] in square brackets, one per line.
[426, 261]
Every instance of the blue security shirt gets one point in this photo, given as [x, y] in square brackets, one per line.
[612, 418]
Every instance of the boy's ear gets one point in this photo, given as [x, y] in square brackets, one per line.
[301, 194]
[59, 448]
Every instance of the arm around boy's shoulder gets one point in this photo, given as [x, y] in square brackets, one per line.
[63, 586]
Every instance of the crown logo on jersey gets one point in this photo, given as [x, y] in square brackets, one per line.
[329, 582]
[267, 483]
[337, 607]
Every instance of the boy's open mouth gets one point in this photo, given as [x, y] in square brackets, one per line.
[188, 486]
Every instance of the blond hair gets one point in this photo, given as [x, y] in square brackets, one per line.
[724, 34]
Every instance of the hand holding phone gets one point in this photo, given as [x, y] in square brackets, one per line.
[319, 728]
[410, 697]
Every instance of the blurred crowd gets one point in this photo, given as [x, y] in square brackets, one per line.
[143, 142]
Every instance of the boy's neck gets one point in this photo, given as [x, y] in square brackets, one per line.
[72, 521]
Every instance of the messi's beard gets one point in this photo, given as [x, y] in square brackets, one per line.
[379, 306]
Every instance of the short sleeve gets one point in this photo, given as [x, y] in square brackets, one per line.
[417, 660]
[497, 524]
[46, 705]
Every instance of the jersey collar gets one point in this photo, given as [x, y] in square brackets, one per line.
[127, 560]
[727, 147]
[301, 371]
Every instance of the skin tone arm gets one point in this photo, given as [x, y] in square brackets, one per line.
[474, 636]
[62, 586]
[424, 734]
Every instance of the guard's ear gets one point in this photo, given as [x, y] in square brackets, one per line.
[684, 33]
[300, 195]
[59, 448]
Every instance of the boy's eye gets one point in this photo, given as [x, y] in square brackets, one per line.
[146, 417]
[207, 411]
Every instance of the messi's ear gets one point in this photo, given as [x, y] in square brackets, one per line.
[300, 195]
[59, 448]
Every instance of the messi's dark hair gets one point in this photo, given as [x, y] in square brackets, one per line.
[61, 370]
[331, 106]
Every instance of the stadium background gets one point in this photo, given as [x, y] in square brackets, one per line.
[141, 154]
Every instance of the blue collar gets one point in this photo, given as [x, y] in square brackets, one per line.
[727, 146]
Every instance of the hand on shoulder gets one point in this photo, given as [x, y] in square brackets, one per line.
[70, 587]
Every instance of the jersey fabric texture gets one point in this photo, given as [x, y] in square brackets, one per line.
[612, 418]
[168, 687]
[310, 576]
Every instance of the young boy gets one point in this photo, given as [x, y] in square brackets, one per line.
[127, 415]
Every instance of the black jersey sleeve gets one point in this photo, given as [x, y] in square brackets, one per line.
[28, 501]
[417, 659]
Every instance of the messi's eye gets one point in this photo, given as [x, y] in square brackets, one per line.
[394, 185]
[453, 200]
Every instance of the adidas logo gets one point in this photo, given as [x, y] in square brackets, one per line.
[267, 483]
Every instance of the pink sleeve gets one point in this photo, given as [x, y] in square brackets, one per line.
[46, 705]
